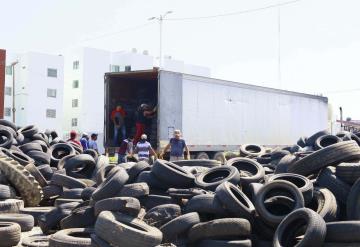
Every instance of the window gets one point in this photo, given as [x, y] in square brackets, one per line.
[75, 84]
[7, 111]
[50, 113]
[128, 68]
[74, 122]
[75, 103]
[51, 93]
[52, 73]
[115, 68]
[8, 70]
[75, 65]
[8, 91]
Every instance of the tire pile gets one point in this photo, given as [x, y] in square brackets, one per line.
[302, 195]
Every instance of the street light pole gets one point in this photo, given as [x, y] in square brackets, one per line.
[160, 19]
[13, 89]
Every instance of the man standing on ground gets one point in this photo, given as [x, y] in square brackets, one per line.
[177, 146]
[84, 140]
[73, 136]
[118, 119]
[92, 142]
[143, 149]
[126, 148]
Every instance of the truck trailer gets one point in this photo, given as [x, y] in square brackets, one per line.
[214, 115]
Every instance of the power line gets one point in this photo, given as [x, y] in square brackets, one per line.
[120, 31]
[233, 13]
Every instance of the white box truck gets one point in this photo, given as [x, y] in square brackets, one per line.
[214, 115]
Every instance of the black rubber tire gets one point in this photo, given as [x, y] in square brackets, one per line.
[135, 170]
[52, 191]
[102, 173]
[120, 230]
[310, 141]
[185, 193]
[28, 131]
[179, 226]
[78, 148]
[136, 190]
[11, 205]
[304, 184]
[253, 190]
[334, 154]
[125, 205]
[302, 141]
[26, 221]
[250, 170]
[202, 156]
[46, 171]
[284, 163]
[72, 193]
[10, 234]
[7, 192]
[111, 185]
[98, 242]
[353, 202]
[213, 177]
[204, 163]
[153, 182]
[226, 228]
[219, 156]
[36, 174]
[92, 153]
[348, 172]
[325, 204]
[69, 238]
[281, 185]
[36, 212]
[31, 146]
[49, 221]
[66, 181]
[6, 143]
[278, 154]
[60, 150]
[87, 193]
[340, 189]
[35, 241]
[343, 231]
[61, 201]
[315, 229]
[8, 123]
[205, 204]
[251, 150]
[79, 218]
[235, 201]
[225, 243]
[83, 161]
[160, 215]
[173, 175]
[325, 141]
[40, 157]
[20, 157]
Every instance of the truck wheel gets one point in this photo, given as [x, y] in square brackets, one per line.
[202, 156]
[220, 156]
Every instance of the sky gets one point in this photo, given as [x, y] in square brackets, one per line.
[319, 39]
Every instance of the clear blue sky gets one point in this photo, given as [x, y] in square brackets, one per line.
[320, 39]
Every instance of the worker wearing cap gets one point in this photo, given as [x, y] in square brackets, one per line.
[73, 136]
[176, 146]
[92, 142]
[143, 149]
[84, 140]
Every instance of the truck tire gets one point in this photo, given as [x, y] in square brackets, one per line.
[60, 150]
[315, 229]
[325, 204]
[304, 184]
[135, 170]
[353, 202]
[342, 231]
[227, 228]
[173, 175]
[235, 201]
[213, 177]
[10, 234]
[121, 230]
[271, 189]
[7, 192]
[334, 154]
[348, 172]
[69, 238]
[325, 141]
[8, 140]
[251, 150]
[20, 157]
[179, 226]
[310, 141]
[25, 221]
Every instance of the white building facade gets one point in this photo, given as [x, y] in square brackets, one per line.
[39, 82]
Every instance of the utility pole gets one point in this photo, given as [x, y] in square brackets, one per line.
[13, 89]
[160, 19]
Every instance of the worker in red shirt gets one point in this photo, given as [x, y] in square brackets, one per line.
[143, 117]
[118, 119]
[73, 136]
